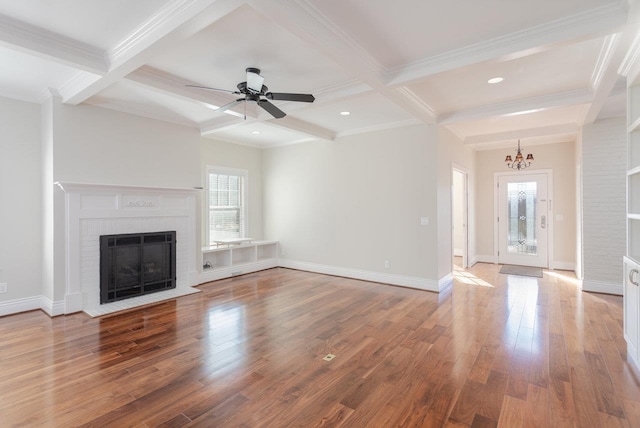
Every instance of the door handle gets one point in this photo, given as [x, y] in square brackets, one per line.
[632, 275]
[543, 221]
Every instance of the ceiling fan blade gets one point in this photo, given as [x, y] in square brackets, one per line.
[254, 80]
[271, 109]
[280, 96]
[229, 105]
[212, 89]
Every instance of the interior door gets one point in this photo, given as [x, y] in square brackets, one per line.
[523, 220]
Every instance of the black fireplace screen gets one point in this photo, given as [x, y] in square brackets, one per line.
[135, 264]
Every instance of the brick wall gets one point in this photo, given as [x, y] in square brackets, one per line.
[604, 204]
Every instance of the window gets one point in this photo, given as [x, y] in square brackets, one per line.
[226, 194]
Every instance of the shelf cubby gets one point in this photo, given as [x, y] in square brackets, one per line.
[243, 254]
[267, 251]
[218, 258]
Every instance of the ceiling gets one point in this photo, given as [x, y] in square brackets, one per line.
[389, 64]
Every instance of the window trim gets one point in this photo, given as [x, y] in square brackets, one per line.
[245, 196]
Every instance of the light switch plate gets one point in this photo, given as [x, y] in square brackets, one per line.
[3, 287]
[424, 221]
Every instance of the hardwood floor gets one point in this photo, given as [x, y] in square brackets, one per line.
[493, 350]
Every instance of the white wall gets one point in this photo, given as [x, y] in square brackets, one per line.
[560, 158]
[604, 164]
[103, 146]
[356, 202]
[20, 199]
[217, 153]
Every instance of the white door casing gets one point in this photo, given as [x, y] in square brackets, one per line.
[523, 220]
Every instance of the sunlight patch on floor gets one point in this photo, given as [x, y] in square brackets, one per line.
[567, 277]
[468, 278]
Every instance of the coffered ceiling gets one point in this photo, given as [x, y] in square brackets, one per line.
[389, 64]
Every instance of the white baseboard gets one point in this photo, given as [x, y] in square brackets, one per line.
[458, 252]
[52, 308]
[20, 305]
[564, 266]
[602, 287]
[481, 258]
[445, 282]
[385, 278]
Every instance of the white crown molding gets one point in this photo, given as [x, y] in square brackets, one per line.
[303, 19]
[630, 66]
[600, 20]
[378, 127]
[542, 131]
[158, 25]
[428, 111]
[78, 82]
[604, 60]
[51, 46]
[578, 96]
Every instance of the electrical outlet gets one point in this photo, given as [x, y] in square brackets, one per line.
[3, 287]
[387, 265]
[424, 221]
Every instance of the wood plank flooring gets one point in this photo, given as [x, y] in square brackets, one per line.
[492, 350]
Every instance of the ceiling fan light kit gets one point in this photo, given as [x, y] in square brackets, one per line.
[254, 90]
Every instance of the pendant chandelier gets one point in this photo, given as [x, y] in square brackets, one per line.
[519, 162]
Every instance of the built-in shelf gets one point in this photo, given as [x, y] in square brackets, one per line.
[229, 260]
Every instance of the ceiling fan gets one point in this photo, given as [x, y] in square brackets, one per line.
[253, 90]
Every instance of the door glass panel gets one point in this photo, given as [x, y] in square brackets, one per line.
[521, 212]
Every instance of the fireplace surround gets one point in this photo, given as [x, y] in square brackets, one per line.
[92, 211]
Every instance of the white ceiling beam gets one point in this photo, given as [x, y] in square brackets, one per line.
[595, 22]
[170, 84]
[605, 73]
[301, 18]
[522, 106]
[42, 43]
[519, 134]
[177, 21]
[288, 123]
[309, 129]
[223, 123]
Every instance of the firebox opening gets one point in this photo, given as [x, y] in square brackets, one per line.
[135, 264]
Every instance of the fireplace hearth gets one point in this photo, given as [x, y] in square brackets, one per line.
[136, 264]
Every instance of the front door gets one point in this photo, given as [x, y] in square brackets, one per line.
[523, 219]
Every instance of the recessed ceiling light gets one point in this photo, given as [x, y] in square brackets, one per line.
[494, 80]
[345, 113]
[255, 132]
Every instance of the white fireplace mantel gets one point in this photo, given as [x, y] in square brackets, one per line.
[92, 210]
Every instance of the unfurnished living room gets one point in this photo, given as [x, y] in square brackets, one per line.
[276, 213]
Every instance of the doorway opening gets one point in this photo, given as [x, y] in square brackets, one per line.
[523, 222]
[459, 217]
